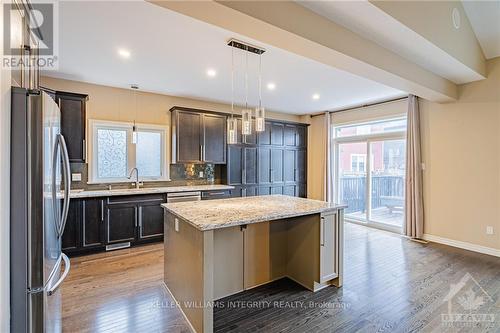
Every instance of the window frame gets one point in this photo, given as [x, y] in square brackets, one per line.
[93, 127]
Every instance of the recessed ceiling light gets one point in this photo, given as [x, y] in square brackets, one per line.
[315, 96]
[124, 53]
[271, 86]
[211, 72]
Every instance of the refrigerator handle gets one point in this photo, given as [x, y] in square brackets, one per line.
[67, 183]
[67, 266]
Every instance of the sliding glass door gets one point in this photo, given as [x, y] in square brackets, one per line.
[370, 172]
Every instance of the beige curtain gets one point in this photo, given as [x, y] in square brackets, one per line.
[414, 206]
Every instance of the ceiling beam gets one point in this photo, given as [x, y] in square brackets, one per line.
[433, 20]
[291, 27]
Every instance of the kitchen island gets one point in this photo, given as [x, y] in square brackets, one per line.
[218, 248]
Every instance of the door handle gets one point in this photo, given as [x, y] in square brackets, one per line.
[201, 152]
[84, 150]
[67, 266]
[102, 210]
[67, 183]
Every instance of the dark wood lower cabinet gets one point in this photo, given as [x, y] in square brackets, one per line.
[121, 223]
[94, 223]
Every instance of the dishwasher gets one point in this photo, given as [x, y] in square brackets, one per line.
[183, 196]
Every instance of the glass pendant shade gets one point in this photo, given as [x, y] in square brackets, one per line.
[260, 119]
[232, 131]
[134, 135]
[246, 121]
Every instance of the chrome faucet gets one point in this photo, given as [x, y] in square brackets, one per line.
[137, 184]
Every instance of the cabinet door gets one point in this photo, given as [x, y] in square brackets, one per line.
[301, 136]
[277, 132]
[251, 139]
[328, 247]
[300, 191]
[277, 190]
[250, 191]
[73, 125]
[214, 145]
[277, 165]
[264, 190]
[121, 223]
[301, 162]
[71, 234]
[264, 165]
[290, 134]
[235, 165]
[250, 166]
[93, 222]
[237, 192]
[150, 220]
[188, 137]
[264, 138]
[289, 166]
[289, 190]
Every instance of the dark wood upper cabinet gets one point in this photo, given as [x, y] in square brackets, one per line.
[264, 138]
[214, 143]
[250, 165]
[235, 165]
[290, 135]
[289, 174]
[73, 117]
[301, 136]
[277, 133]
[93, 222]
[187, 137]
[198, 137]
[277, 165]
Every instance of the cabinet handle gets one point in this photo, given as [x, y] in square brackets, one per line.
[244, 180]
[322, 231]
[102, 210]
[272, 176]
[84, 150]
[201, 152]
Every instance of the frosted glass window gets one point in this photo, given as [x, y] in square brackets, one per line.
[149, 154]
[111, 153]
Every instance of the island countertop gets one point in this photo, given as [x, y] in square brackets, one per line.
[222, 213]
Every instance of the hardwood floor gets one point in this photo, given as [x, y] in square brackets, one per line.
[390, 285]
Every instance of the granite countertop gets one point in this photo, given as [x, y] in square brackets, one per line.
[148, 190]
[222, 213]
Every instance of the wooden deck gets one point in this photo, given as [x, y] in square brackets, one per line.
[381, 215]
[391, 284]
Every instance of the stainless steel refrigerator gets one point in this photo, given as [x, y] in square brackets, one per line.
[39, 207]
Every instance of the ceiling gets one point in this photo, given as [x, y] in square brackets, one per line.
[171, 53]
[367, 20]
[484, 16]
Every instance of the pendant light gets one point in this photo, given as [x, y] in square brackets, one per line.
[232, 123]
[134, 128]
[246, 113]
[260, 113]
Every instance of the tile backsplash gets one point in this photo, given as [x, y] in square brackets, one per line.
[180, 174]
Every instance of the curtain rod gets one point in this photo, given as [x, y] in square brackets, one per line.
[362, 106]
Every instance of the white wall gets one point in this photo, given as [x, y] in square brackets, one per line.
[5, 77]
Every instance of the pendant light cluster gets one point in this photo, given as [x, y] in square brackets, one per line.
[246, 113]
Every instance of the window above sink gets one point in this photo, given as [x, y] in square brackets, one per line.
[113, 155]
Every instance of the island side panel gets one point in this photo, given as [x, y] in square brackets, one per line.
[187, 272]
[303, 246]
[228, 261]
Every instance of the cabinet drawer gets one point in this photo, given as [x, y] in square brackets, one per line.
[210, 195]
[135, 198]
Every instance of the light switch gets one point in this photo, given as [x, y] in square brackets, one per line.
[176, 224]
[76, 177]
[489, 230]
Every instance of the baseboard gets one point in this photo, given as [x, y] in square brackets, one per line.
[463, 245]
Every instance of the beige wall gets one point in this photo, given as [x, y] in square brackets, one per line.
[461, 150]
[108, 103]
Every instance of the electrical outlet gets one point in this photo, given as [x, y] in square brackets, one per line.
[489, 230]
[76, 177]
[201, 174]
[176, 224]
